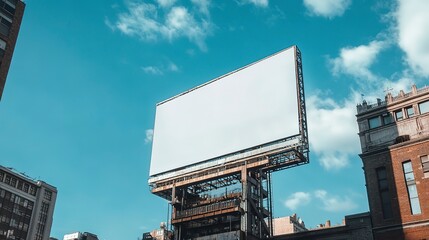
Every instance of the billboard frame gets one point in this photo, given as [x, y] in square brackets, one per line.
[296, 145]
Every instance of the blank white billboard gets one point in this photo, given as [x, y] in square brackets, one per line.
[254, 105]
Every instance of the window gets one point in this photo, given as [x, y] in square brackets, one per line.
[9, 7]
[399, 115]
[19, 186]
[48, 195]
[25, 188]
[383, 188]
[30, 205]
[32, 190]
[2, 47]
[387, 118]
[425, 165]
[13, 182]
[424, 107]
[374, 122]
[410, 111]
[7, 179]
[5, 24]
[411, 187]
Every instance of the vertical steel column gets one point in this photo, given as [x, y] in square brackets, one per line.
[244, 202]
[270, 204]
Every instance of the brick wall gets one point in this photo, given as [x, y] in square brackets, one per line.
[10, 44]
[413, 153]
[407, 226]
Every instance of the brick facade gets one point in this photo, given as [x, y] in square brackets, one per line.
[9, 36]
[355, 227]
[395, 134]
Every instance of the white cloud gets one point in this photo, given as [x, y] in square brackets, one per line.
[333, 131]
[327, 8]
[257, 3]
[173, 67]
[356, 61]
[297, 199]
[328, 202]
[160, 70]
[166, 3]
[333, 159]
[149, 136]
[332, 203]
[203, 6]
[147, 22]
[404, 83]
[413, 33]
[152, 70]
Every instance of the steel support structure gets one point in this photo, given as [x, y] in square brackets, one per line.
[233, 200]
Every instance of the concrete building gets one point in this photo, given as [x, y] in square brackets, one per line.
[394, 136]
[80, 236]
[289, 224]
[11, 12]
[159, 234]
[355, 227]
[26, 206]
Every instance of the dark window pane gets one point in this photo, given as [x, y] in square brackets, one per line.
[6, 22]
[383, 184]
[386, 204]
[4, 29]
[381, 173]
[374, 122]
[385, 197]
[387, 119]
[9, 8]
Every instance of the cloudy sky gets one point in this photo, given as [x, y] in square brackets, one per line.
[79, 103]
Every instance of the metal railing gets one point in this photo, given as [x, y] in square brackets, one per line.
[208, 208]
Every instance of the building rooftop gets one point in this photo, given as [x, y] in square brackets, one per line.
[389, 99]
[25, 177]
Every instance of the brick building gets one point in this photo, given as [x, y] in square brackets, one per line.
[158, 234]
[394, 136]
[26, 206]
[355, 227]
[11, 12]
[289, 224]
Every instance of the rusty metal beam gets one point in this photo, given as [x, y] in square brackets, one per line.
[206, 215]
[211, 176]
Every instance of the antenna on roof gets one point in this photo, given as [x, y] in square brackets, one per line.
[388, 89]
[361, 96]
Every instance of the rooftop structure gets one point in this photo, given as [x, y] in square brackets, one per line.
[26, 206]
[394, 136]
[80, 236]
[355, 227]
[159, 234]
[289, 224]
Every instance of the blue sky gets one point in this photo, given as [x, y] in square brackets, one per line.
[79, 103]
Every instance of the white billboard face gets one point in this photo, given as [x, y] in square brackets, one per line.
[254, 105]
